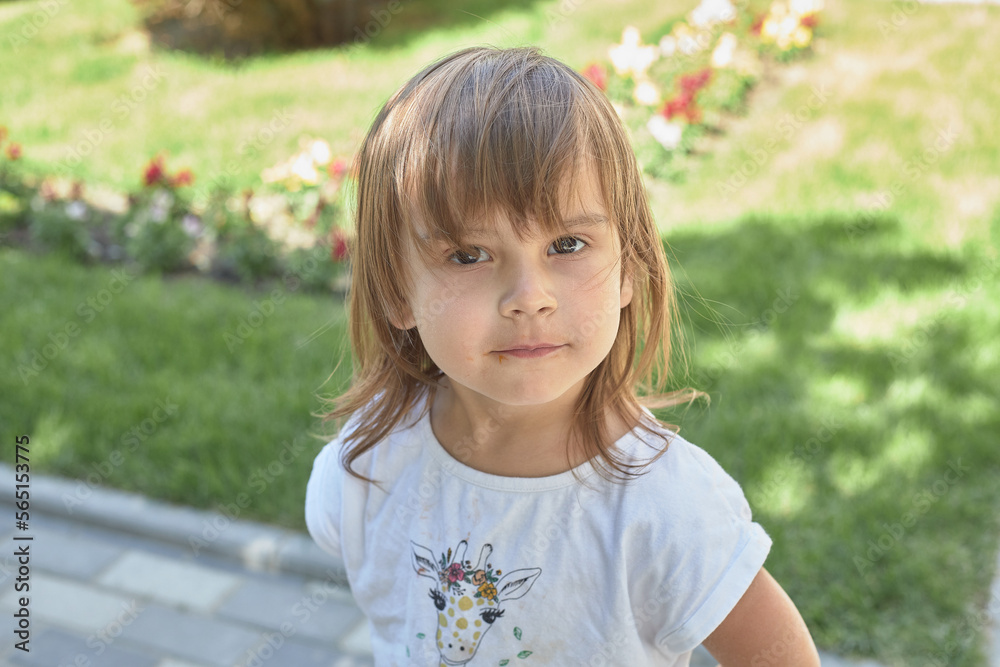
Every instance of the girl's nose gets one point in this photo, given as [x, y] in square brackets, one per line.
[527, 290]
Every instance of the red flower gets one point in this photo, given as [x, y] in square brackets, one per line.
[597, 75]
[154, 173]
[810, 20]
[13, 150]
[338, 168]
[692, 83]
[683, 103]
[755, 28]
[339, 250]
[676, 105]
[181, 178]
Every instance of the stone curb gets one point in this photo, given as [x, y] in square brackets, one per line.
[257, 546]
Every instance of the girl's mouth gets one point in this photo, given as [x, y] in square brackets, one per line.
[531, 353]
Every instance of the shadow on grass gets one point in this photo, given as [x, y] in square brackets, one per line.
[853, 378]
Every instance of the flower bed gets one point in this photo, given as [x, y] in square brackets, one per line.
[291, 224]
[676, 89]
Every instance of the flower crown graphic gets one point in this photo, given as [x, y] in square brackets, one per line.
[455, 574]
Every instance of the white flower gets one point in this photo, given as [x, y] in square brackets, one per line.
[668, 45]
[296, 237]
[710, 12]
[668, 133]
[76, 210]
[304, 168]
[802, 36]
[277, 173]
[631, 57]
[646, 93]
[803, 7]
[160, 208]
[689, 41]
[722, 56]
[191, 224]
[320, 152]
[265, 207]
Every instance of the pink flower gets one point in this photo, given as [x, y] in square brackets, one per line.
[339, 252]
[13, 151]
[455, 572]
[338, 168]
[597, 75]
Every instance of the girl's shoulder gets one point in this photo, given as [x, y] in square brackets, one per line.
[685, 479]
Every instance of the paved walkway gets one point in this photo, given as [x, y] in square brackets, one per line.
[121, 581]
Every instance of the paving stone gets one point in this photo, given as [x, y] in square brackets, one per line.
[108, 536]
[353, 661]
[179, 583]
[275, 649]
[55, 647]
[294, 610]
[69, 604]
[8, 568]
[89, 556]
[193, 637]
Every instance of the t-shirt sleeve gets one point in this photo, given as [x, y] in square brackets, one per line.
[705, 550]
[324, 499]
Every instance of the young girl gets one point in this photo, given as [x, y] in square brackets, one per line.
[499, 494]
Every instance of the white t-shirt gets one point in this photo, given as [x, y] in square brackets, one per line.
[457, 566]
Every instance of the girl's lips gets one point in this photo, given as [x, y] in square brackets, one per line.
[530, 354]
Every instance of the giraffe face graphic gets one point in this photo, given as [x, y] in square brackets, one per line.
[467, 597]
[462, 624]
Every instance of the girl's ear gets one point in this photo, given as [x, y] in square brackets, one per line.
[626, 292]
[403, 319]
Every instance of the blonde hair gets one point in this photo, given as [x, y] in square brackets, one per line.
[490, 130]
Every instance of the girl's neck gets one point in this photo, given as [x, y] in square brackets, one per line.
[511, 441]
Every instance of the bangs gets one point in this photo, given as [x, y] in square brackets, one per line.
[487, 140]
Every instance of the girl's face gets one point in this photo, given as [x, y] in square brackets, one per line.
[522, 322]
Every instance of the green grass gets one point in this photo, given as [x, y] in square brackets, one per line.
[181, 389]
[850, 375]
[847, 339]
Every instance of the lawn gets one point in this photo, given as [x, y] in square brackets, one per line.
[839, 290]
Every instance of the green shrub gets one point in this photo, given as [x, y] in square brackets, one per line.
[240, 28]
[62, 227]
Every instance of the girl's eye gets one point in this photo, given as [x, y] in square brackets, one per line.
[466, 259]
[568, 245]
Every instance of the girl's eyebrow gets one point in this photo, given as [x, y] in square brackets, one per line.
[586, 220]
